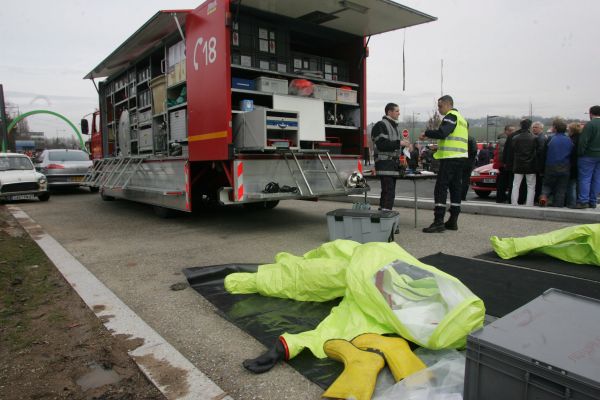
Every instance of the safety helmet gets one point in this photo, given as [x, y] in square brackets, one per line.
[356, 179]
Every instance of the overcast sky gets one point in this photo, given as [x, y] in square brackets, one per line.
[499, 56]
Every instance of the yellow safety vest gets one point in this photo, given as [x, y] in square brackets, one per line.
[455, 145]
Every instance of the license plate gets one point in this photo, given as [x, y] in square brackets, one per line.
[22, 197]
[76, 178]
[489, 181]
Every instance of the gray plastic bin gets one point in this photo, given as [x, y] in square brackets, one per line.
[548, 349]
[362, 225]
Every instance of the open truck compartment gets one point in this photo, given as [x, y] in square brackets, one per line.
[232, 96]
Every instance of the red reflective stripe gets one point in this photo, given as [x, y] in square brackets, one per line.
[285, 346]
[187, 186]
[360, 167]
[240, 181]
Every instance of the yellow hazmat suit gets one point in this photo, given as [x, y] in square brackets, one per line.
[385, 290]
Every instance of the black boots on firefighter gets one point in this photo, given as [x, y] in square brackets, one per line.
[438, 224]
[452, 223]
[438, 221]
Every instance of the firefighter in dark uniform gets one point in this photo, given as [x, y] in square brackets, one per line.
[388, 147]
[453, 138]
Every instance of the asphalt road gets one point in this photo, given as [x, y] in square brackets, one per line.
[139, 256]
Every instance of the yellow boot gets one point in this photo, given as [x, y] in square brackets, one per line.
[398, 355]
[361, 368]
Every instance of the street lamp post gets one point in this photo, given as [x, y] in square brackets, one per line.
[413, 125]
[487, 126]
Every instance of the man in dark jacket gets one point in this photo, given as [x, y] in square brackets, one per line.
[468, 166]
[502, 180]
[589, 161]
[558, 166]
[541, 140]
[388, 146]
[524, 165]
[453, 148]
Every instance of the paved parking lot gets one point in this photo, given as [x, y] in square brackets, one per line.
[139, 256]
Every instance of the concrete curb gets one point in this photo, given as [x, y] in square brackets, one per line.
[586, 216]
[174, 375]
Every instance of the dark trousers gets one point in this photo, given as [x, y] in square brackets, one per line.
[449, 179]
[502, 182]
[539, 178]
[556, 185]
[466, 178]
[388, 192]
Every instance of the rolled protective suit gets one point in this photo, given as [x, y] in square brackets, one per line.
[576, 244]
[361, 368]
[385, 289]
[396, 351]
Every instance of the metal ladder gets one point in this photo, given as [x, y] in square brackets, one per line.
[113, 173]
[303, 172]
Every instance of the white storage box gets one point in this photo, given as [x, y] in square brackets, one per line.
[178, 125]
[345, 95]
[271, 85]
[145, 139]
[362, 225]
[326, 93]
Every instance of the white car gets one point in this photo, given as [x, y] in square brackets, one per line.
[19, 180]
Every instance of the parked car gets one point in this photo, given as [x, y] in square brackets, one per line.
[64, 167]
[483, 180]
[19, 180]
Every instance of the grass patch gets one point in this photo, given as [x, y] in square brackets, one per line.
[25, 286]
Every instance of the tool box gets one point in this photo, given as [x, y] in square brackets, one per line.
[547, 349]
[362, 225]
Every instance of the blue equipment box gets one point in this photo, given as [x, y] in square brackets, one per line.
[241, 83]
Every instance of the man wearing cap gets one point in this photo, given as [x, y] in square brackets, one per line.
[453, 138]
[388, 147]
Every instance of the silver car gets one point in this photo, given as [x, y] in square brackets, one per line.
[19, 179]
[64, 167]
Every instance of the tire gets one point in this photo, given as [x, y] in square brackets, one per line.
[269, 205]
[263, 205]
[94, 189]
[164, 212]
[482, 193]
[44, 197]
[106, 198]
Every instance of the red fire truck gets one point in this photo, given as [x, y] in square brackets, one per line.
[239, 102]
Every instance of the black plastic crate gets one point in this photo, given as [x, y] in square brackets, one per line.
[546, 349]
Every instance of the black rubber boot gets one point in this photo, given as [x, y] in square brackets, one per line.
[267, 360]
[438, 221]
[452, 223]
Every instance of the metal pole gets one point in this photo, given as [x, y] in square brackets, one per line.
[3, 132]
[487, 127]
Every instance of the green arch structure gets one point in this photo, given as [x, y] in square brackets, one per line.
[27, 114]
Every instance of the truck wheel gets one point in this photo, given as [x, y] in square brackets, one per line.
[94, 189]
[482, 194]
[269, 205]
[44, 197]
[164, 212]
[106, 198]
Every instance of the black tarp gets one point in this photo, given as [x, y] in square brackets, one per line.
[547, 263]
[503, 288]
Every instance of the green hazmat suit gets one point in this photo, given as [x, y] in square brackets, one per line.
[576, 244]
[384, 289]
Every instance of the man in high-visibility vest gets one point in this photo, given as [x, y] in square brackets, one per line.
[453, 148]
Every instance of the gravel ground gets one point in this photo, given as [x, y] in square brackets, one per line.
[139, 256]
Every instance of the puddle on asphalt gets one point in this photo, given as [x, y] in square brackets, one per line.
[98, 376]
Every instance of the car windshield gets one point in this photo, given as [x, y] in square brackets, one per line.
[68, 155]
[15, 163]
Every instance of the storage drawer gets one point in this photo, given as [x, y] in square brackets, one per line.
[271, 85]
[145, 139]
[346, 95]
[326, 93]
[178, 125]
